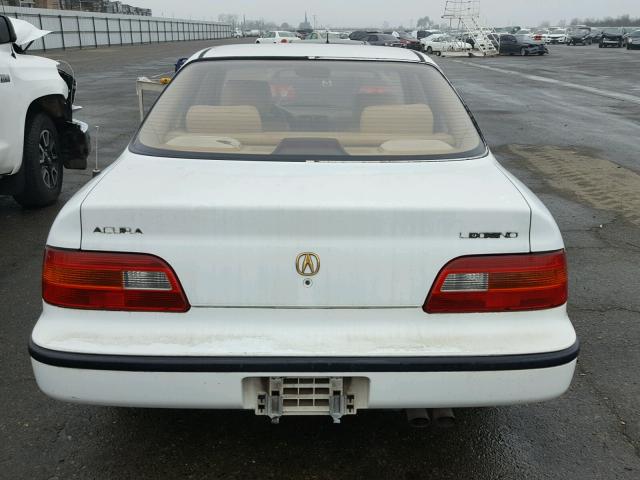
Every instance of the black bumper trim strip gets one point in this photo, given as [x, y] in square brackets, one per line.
[130, 363]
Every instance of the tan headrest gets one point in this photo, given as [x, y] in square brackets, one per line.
[231, 119]
[408, 119]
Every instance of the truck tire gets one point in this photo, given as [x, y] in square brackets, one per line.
[41, 163]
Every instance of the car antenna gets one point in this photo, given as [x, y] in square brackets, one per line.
[96, 170]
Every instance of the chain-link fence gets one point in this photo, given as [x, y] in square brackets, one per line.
[76, 29]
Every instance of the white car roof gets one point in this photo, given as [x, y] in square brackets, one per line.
[315, 50]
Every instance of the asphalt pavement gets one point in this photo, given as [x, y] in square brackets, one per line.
[567, 124]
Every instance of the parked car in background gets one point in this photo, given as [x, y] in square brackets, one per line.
[527, 37]
[303, 33]
[596, 35]
[362, 34]
[39, 138]
[512, 45]
[408, 40]
[633, 40]
[383, 40]
[579, 36]
[524, 31]
[612, 37]
[541, 36]
[330, 37]
[557, 35]
[442, 42]
[278, 36]
[420, 34]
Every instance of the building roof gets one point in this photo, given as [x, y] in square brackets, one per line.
[313, 50]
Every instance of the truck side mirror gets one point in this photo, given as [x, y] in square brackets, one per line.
[7, 33]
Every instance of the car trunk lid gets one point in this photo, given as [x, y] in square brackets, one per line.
[234, 231]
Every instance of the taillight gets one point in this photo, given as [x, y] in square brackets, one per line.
[110, 281]
[498, 283]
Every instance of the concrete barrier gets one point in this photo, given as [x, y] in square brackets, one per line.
[76, 29]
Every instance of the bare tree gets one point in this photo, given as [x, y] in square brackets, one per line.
[424, 22]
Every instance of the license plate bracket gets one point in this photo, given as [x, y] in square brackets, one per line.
[306, 396]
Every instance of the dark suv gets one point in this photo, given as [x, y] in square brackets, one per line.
[579, 36]
[612, 37]
[361, 35]
[383, 40]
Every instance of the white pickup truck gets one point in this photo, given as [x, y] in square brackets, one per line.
[38, 136]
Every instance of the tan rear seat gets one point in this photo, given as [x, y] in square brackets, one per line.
[397, 119]
[224, 119]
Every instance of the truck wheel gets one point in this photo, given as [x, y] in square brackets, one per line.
[429, 50]
[41, 163]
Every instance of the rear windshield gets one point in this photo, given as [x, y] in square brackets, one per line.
[301, 110]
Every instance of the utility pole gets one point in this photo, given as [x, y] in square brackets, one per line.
[315, 23]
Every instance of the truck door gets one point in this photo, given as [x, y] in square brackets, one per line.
[8, 115]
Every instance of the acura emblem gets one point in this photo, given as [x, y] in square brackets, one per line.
[308, 264]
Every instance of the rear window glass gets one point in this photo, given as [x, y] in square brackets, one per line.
[309, 110]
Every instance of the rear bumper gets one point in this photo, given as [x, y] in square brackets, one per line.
[219, 382]
[203, 358]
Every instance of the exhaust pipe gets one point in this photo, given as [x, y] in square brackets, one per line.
[443, 417]
[418, 417]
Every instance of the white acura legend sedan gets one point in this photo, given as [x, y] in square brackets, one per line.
[305, 230]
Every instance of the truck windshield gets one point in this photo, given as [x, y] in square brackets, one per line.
[309, 110]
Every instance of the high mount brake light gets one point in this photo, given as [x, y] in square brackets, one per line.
[499, 283]
[110, 281]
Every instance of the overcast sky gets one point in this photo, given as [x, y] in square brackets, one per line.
[374, 12]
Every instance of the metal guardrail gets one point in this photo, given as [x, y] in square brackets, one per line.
[76, 29]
